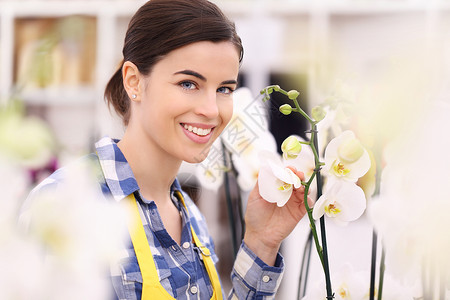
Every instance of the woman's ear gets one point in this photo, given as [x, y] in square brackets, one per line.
[131, 77]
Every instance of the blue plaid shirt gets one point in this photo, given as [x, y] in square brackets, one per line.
[179, 266]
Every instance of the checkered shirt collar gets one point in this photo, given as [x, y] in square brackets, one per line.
[116, 170]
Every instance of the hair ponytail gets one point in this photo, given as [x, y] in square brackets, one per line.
[116, 96]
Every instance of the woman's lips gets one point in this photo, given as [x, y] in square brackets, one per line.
[198, 133]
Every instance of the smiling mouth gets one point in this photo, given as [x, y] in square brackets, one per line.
[198, 131]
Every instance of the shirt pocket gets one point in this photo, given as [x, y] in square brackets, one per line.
[132, 278]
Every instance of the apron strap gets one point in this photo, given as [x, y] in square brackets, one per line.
[151, 287]
[150, 280]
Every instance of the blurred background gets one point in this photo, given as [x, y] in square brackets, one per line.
[56, 57]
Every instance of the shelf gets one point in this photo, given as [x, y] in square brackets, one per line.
[52, 8]
[327, 7]
[60, 96]
[49, 8]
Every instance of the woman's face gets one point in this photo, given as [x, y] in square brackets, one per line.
[186, 101]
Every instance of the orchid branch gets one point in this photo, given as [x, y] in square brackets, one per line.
[313, 143]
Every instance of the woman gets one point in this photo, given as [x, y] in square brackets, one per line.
[174, 93]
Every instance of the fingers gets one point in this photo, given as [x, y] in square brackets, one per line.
[298, 173]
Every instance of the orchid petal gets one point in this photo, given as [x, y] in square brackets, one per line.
[319, 207]
[268, 185]
[275, 181]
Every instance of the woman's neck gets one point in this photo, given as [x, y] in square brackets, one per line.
[154, 169]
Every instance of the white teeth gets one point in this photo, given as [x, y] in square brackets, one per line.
[196, 130]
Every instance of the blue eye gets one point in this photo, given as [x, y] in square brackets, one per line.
[225, 90]
[188, 85]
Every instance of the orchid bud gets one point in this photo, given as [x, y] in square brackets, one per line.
[276, 88]
[350, 151]
[291, 147]
[293, 94]
[285, 109]
[318, 113]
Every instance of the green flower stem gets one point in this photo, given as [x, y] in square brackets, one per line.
[304, 268]
[326, 267]
[381, 279]
[373, 262]
[378, 162]
[312, 223]
[303, 113]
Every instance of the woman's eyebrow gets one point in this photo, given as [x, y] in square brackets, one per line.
[192, 73]
[203, 78]
[229, 82]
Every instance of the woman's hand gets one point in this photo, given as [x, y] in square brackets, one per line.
[267, 225]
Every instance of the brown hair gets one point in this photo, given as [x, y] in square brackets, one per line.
[161, 26]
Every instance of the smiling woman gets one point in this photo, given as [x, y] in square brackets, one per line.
[174, 92]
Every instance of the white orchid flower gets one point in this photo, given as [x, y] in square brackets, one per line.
[346, 158]
[342, 201]
[275, 181]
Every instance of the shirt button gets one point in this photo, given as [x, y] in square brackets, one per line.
[265, 278]
[194, 289]
[186, 245]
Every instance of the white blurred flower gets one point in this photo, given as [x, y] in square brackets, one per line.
[248, 163]
[275, 181]
[26, 140]
[346, 158]
[78, 231]
[248, 122]
[324, 126]
[246, 134]
[349, 284]
[15, 182]
[22, 275]
[210, 173]
[342, 201]
[410, 214]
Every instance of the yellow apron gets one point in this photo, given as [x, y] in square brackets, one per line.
[151, 287]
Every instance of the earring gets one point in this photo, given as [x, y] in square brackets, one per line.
[133, 96]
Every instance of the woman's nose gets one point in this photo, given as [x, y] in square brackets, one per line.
[207, 106]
